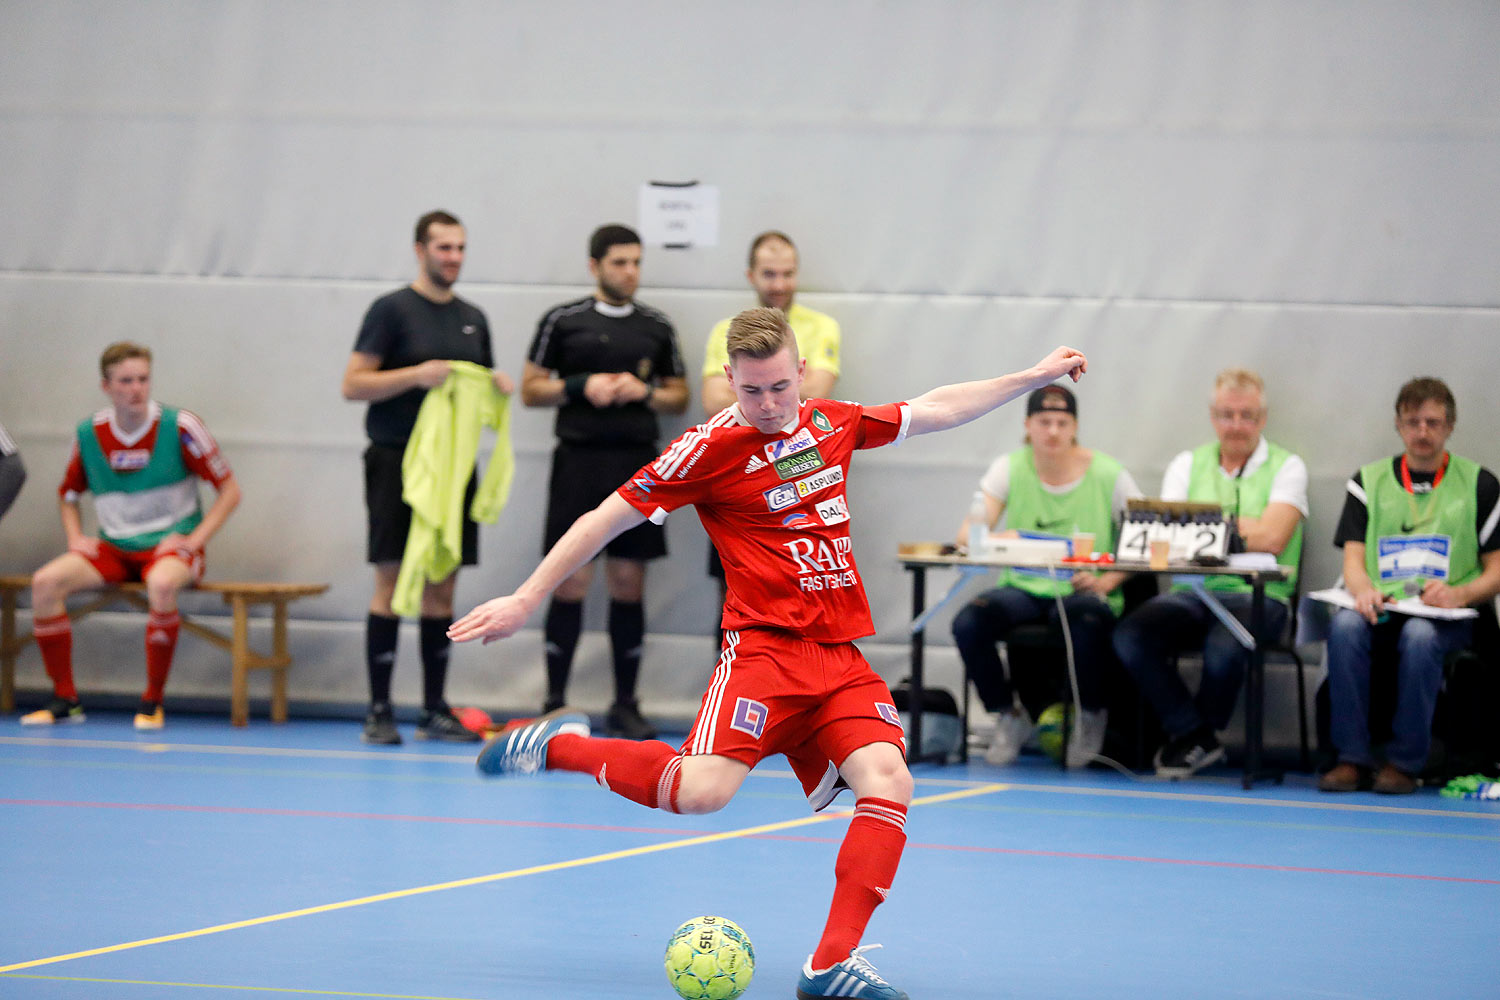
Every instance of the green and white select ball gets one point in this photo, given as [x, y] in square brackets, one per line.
[710, 958]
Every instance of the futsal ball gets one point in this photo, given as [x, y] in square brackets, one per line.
[710, 958]
[1050, 731]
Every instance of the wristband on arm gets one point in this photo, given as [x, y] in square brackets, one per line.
[573, 387]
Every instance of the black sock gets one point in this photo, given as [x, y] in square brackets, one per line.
[564, 621]
[435, 645]
[627, 631]
[380, 655]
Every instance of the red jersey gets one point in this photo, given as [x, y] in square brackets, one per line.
[200, 452]
[775, 507]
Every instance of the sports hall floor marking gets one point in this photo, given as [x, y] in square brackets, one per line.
[226, 986]
[632, 852]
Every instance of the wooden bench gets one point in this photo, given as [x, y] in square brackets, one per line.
[240, 597]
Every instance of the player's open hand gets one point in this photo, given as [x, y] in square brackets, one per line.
[1063, 361]
[497, 619]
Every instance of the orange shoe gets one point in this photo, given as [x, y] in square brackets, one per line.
[57, 710]
[150, 716]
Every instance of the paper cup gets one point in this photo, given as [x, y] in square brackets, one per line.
[1160, 548]
[1083, 544]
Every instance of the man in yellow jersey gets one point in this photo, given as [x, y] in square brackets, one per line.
[1423, 525]
[772, 272]
[1263, 490]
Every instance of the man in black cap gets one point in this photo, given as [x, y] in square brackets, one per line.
[1053, 487]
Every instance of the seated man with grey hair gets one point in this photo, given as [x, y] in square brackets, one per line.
[1263, 490]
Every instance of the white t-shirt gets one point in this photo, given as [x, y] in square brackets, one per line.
[1289, 485]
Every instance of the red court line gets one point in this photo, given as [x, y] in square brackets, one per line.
[323, 814]
[1191, 862]
[664, 831]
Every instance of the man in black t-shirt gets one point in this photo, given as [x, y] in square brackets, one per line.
[1420, 525]
[610, 365]
[404, 348]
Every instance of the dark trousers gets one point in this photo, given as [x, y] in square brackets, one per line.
[1150, 639]
[985, 622]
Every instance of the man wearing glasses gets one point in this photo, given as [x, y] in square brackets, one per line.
[1263, 490]
[1423, 525]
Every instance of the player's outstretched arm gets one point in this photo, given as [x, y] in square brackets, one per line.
[951, 405]
[504, 616]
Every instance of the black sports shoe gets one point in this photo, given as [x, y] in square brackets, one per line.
[443, 725]
[1188, 754]
[624, 720]
[380, 727]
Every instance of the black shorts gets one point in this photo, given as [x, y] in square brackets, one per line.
[390, 517]
[582, 478]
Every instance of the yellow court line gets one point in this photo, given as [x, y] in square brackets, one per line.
[230, 986]
[710, 838]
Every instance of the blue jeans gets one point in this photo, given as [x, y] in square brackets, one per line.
[989, 618]
[1422, 644]
[1151, 637]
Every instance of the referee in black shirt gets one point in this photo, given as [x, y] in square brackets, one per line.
[610, 365]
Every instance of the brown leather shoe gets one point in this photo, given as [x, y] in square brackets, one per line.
[1394, 781]
[1344, 777]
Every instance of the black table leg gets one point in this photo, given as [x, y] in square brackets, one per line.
[1255, 689]
[915, 692]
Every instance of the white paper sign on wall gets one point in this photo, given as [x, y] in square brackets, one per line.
[679, 214]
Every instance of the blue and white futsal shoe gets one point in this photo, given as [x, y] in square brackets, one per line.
[523, 750]
[853, 977]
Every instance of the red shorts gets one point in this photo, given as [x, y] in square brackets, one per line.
[773, 692]
[119, 565]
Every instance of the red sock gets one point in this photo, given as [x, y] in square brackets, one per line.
[161, 641]
[648, 772]
[863, 873]
[54, 637]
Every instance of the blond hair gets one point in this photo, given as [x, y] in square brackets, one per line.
[759, 333]
[121, 350]
[1242, 379]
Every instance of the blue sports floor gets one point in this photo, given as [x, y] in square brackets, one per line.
[291, 861]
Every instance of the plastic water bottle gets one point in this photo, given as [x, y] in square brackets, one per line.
[979, 528]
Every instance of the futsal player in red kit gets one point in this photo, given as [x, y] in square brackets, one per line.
[767, 476]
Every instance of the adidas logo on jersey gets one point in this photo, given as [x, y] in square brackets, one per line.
[755, 464]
